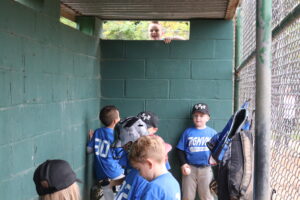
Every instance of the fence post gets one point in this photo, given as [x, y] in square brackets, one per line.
[263, 99]
[238, 56]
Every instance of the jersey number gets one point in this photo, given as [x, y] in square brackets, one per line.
[102, 147]
[123, 192]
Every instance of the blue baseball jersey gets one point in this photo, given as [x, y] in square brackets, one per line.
[164, 187]
[193, 143]
[105, 164]
[132, 187]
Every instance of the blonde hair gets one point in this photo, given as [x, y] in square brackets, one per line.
[70, 193]
[148, 147]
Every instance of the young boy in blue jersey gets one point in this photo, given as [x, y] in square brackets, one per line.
[194, 155]
[108, 170]
[148, 156]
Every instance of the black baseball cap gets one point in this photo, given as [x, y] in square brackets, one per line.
[52, 176]
[201, 107]
[149, 118]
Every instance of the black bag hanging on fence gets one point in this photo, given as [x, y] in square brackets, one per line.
[232, 149]
[235, 172]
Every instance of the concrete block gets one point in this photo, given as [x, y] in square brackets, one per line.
[6, 7]
[17, 86]
[60, 88]
[190, 89]
[224, 49]
[152, 89]
[92, 110]
[169, 109]
[77, 112]
[52, 60]
[92, 88]
[226, 106]
[127, 107]
[79, 155]
[46, 25]
[34, 56]
[73, 40]
[83, 66]
[6, 164]
[6, 136]
[11, 87]
[169, 69]
[38, 119]
[112, 49]
[19, 187]
[10, 126]
[80, 138]
[11, 56]
[52, 8]
[48, 146]
[23, 23]
[22, 156]
[66, 65]
[66, 114]
[81, 88]
[192, 49]
[212, 69]
[146, 49]
[5, 88]
[117, 69]
[77, 88]
[38, 88]
[211, 29]
[224, 89]
[112, 88]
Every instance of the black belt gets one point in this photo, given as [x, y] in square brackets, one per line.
[201, 166]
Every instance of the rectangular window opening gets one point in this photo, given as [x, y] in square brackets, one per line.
[145, 30]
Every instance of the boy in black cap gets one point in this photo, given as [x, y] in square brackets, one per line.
[194, 155]
[151, 121]
[55, 179]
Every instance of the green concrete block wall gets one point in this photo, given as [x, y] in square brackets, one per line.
[50, 95]
[168, 79]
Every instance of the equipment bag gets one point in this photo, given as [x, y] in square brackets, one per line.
[219, 144]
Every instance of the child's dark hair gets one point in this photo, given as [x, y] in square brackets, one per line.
[108, 114]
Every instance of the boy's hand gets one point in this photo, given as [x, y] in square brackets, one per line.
[91, 133]
[185, 169]
[167, 40]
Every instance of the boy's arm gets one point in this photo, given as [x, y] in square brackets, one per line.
[91, 133]
[168, 40]
[181, 155]
[90, 144]
[183, 163]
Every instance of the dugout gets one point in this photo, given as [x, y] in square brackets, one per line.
[54, 79]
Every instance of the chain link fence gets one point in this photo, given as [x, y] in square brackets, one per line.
[285, 110]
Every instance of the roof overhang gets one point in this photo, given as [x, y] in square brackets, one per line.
[151, 9]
